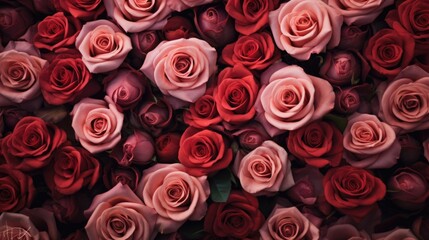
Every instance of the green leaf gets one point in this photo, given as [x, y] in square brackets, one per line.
[340, 122]
[192, 230]
[220, 186]
[354, 80]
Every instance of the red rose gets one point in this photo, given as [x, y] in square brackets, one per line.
[178, 27]
[353, 191]
[250, 15]
[239, 217]
[72, 169]
[353, 37]
[16, 189]
[235, 94]
[31, 144]
[66, 79]
[256, 51]
[389, 51]
[82, 9]
[167, 147]
[57, 32]
[204, 152]
[203, 112]
[318, 144]
[114, 174]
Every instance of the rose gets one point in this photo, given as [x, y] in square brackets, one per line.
[119, 213]
[399, 233]
[14, 22]
[97, 124]
[57, 33]
[369, 143]
[203, 112]
[31, 144]
[255, 52]
[420, 225]
[308, 187]
[251, 136]
[69, 209]
[319, 144]
[215, 25]
[389, 51]
[411, 149]
[16, 188]
[411, 16]
[12, 115]
[344, 67]
[204, 152]
[175, 195]
[426, 148]
[66, 79]
[404, 102]
[155, 116]
[353, 37]
[71, 170]
[44, 221]
[345, 232]
[410, 186]
[125, 87]
[181, 68]
[103, 46]
[239, 217]
[305, 27]
[359, 13]
[289, 99]
[143, 42]
[82, 9]
[235, 94]
[137, 149]
[288, 223]
[19, 73]
[353, 191]
[178, 27]
[114, 174]
[347, 101]
[167, 147]
[250, 15]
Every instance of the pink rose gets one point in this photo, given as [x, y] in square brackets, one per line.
[289, 98]
[288, 223]
[103, 46]
[360, 12]
[265, 170]
[404, 102]
[303, 27]
[137, 149]
[181, 68]
[369, 143]
[97, 124]
[19, 73]
[120, 214]
[175, 195]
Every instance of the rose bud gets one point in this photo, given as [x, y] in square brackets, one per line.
[143, 42]
[215, 25]
[167, 147]
[14, 22]
[154, 116]
[353, 37]
[114, 174]
[411, 149]
[347, 101]
[12, 115]
[308, 185]
[178, 27]
[420, 227]
[344, 67]
[137, 149]
[410, 186]
[251, 136]
[125, 87]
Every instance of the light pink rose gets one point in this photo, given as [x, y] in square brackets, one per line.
[404, 102]
[288, 223]
[289, 98]
[397, 234]
[345, 232]
[265, 170]
[97, 124]
[426, 148]
[19, 73]
[369, 143]
[103, 46]
[175, 195]
[181, 68]
[359, 12]
[303, 27]
[120, 214]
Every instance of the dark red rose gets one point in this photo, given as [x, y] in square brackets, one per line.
[410, 186]
[203, 112]
[66, 79]
[422, 60]
[144, 42]
[69, 209]
[43, 220]
[46, 7]
[155, 116]
[308, 185]
[204, 152]
[353, 191]
[389, 51]
[57, 33]
[421, 226]
[83, 9]
[413, 17]
[16, 189]
[250, 15]
[347, 101]
[235, 94]
[318, 144]
[137, 149]
[239, 217]
[14, 22]
[167, 147]
[178, 27]
[215, 25]
[353, 37]
[256, 51]
[251, 136]
[12, 115]
[411, 149]
[114, 174]
[31, 144]
[71, 169]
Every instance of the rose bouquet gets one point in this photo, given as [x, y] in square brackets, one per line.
[214, 119]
